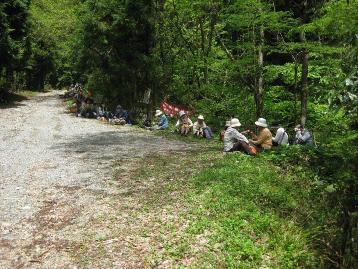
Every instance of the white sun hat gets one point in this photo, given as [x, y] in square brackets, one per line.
[181, 113]
[158, 113]
[261, 122]
[201, 117]
[235, 123]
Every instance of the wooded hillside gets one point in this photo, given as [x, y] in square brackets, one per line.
[293, 61]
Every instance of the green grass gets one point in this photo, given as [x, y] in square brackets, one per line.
[243, 212]
[204, 209]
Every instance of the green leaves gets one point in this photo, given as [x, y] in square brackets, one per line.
[14, 43]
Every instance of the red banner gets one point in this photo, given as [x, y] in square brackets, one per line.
[172, 109]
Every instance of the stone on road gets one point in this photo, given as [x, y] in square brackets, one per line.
[52, 167]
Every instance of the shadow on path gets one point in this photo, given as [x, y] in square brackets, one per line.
[114, 145]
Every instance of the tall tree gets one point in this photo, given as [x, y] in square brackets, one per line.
[114, 49]
[54, 30]
[14, 42]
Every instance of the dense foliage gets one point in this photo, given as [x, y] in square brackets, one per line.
[292, 61]
[14, 43]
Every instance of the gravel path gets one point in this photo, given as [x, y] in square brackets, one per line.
[53, 166]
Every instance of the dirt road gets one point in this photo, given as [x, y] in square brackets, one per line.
[54, 169]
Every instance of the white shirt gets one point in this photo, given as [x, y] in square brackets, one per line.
[281, 137]
[197, 127]
[179, 122]
[232, 136]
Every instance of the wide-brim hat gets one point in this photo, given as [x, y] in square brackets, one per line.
[261, 122]
[158, 113]
[235, 123]
[201, 117]
[181, 113]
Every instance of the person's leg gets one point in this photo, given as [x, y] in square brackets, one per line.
[182, 130]
[239, 146]
[243, 147]
[207, 133]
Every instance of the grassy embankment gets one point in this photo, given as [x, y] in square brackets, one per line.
[203, 209]
[240, 212]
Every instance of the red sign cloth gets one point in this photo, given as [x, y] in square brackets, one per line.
[172, 109]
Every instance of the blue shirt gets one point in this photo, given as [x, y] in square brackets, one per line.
[163, 122]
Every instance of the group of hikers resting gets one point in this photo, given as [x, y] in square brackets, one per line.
[233, 139]
[263, 140]
[85, 107]
[247, 141]
[184, 125]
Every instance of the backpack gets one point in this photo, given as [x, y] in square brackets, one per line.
[252, 150]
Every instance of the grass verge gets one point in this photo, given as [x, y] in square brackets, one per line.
[203, 209]
[236, 212]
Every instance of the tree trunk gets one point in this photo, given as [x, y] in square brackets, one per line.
[304, 82]
[259, 85]
[202, 45]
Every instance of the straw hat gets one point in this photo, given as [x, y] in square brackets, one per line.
[181, 113]
[158, 113]
[261, 122]
[201, 117]
[235, 123]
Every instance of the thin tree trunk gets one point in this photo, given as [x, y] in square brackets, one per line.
[259, 85]
[304, 82]
[213, 19]
[295, 58]
[202, 45]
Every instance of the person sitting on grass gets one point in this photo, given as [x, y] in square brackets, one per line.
[120, 116]
[87, 109]
[281, 136]
[234, 140]
[262, 141]
[303, 136]
[183, 124]
[200, 128]
[163, 122]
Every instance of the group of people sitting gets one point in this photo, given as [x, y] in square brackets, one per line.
[184, 125]
[86, 107]
[234, 140]
[246, 141]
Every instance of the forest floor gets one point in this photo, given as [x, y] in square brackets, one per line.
[58, 193]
